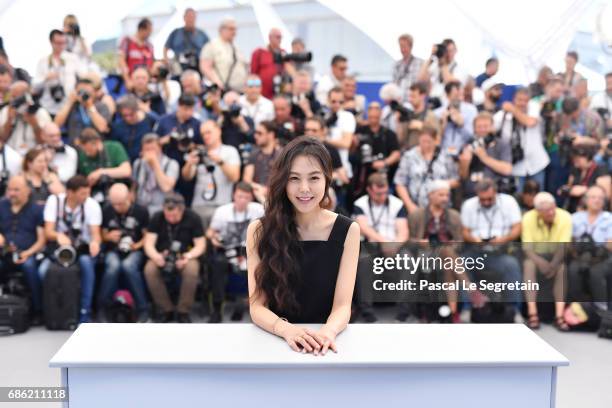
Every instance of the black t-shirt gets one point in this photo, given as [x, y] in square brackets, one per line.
[189, 228]
[590, 178]
[133, 222]
[383, 142]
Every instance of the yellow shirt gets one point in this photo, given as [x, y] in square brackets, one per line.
[535, 230]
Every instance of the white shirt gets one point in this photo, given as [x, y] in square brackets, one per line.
[346, 124]
[232, 225]
[601, 100]
[536, 159]
[325, 84]
[23, 137]
[10, 160]
[437, 86]
[204, 187]
[65, 163]
[68, 68]
[92, 217]
[381, 217]
[262, 109]
[496, 221]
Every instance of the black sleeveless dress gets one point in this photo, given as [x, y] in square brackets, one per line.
[317, 274]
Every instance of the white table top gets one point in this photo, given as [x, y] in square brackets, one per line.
[360, 345]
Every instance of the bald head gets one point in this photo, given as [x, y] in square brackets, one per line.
[17, 190]
[51, 134]
[120, 198]
[275, 36]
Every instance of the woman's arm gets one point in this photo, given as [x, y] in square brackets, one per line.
[343, 295]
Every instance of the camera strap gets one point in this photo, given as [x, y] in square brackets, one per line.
[376, 220]
[4, 169]
[188, 40]
[68, 223]
[231, 68]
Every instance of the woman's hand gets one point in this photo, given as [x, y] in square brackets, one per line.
[298, 337]
[326, 337]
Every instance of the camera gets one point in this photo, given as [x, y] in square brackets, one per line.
[605, 117]
[125, 244]
[150, 97]
[245, 150]
[506, 185]
[188, 60]
[66, 255]
[4, 178]
[204, 159]
[24, 103]
[83, 95]
[484, 142]
[75, 30]
[182, 137]
[174, 253]
[440, 51]
[405, 114]
[300, 57]
[548, 109]
[57, 92]
[162, 72]
[231, 112]
[565, 147]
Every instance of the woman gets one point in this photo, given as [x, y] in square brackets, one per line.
[41, 181]
[304, 270]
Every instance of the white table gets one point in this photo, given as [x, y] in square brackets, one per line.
[378, 365]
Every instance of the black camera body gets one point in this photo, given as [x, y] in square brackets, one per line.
[441, 51]
[565, 147]
[4, 178]
[204, 159]
[299, 57]
[174, 254]
[75, 30]
[25, 100]
[188, 60]
[83, 95]
[182, 137]
[405, 114]
[58, 93]
[232, 112]
[162, 72]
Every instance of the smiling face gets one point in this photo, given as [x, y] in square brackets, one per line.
[306, 185]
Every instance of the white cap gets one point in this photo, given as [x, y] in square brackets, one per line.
[490, 83]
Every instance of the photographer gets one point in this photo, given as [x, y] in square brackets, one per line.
[341, 125]
[136, 51]
[56, 74]
[133, 123]
[493, 218]
[412, 121]
[22, 119]
[75, 43]
[62, 158]
[316, 127]
[83, 111]
[353, 102]
[381, 217]
[73, 220]
[492, 94]
[221, 62]
[214, 167]
[288, 125]
[185, 43]
[299, 48]
[173, 243]
[101, 162]
[406, 70]
[339, 67]
[155, 174]
[304, 103]
[491, 68]
[227, 233]
[436, 227]
[377, 148]
[124, 225]
[236, 129]
[421, 165]
[6, 79]
[457, 119]
[142, 88]
[254, 104]
[10, 165]
[544, 230]
[207, 100]
[584, 173]
[268, 64]
[536, 89]
[592, 233]
[570, 76]
[519, 125]
[582, 125]
[487, 156]
[257, 169]
[441, 68]
[22, 237]
[602, 104]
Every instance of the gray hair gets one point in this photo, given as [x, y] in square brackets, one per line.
[190, 73]
[485, 185]
[543, 199]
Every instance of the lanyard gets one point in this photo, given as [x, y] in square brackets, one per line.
[490, 219]
[376, 220]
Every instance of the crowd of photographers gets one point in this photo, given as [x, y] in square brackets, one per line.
[156, 172]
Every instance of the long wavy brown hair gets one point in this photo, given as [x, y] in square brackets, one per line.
[277, 236]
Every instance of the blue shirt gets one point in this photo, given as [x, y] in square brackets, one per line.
[455, 137]
[180, 41]
[130, 136]
[167, 124]
[20, 228]
[600, 230]
[481, 78]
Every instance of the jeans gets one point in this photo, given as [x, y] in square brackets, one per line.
[131, 266]
[540, 177]
[87, 265]
[30, 270]
[506, 268]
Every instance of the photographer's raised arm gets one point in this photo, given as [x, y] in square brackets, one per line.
[522, 117]
[190, 167]
[343, 142]
[62, 114]
[97, 119]
[165, 182]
